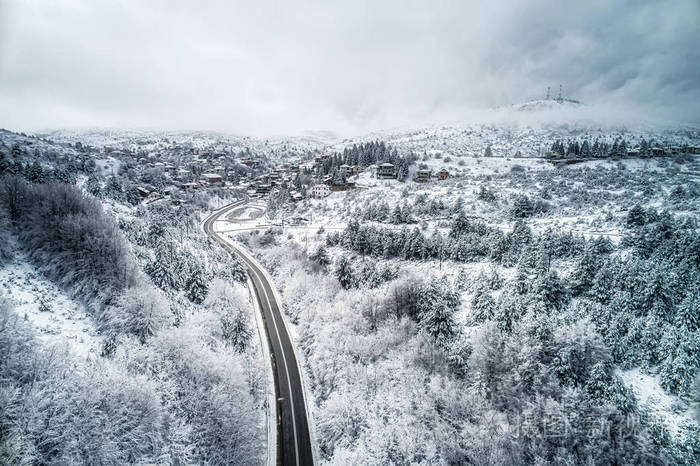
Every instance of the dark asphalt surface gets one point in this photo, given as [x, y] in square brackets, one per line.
[293, 439]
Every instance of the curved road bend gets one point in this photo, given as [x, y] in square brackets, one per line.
[293, 439]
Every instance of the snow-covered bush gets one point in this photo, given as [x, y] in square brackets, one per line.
[141, 311]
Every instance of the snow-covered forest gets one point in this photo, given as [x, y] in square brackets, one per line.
[167, 368]
[515, 314]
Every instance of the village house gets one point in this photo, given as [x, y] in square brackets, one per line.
[182, 174]
[321, 190]
[356, 169]
[212, 179]
[335, 187]
[422, 176]
[143, 192]
[443, 174]
[250, 162]
[386, 171]
[263, 188]
[345, 169]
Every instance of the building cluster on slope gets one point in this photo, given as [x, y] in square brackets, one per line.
[187, 170]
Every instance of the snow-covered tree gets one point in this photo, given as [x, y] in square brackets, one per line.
[196, 285]
[688, 313]
[141, 311]
[321, 257]
[483, 304]
[397, 215]
[678, 370]
[437, 304]
[462, 280]
[162, 268]
[235, 330]
[343, 272]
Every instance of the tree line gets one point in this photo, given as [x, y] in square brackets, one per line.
[573, 149]
[364, 155]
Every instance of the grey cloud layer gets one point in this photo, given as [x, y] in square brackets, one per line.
[271, 67]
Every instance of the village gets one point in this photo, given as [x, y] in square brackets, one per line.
[181, 172]
[177, 172]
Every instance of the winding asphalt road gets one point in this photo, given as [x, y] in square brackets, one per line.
[293, 439]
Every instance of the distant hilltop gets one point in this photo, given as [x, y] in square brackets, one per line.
[547, 104]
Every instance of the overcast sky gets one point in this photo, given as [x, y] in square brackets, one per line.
[265, 67]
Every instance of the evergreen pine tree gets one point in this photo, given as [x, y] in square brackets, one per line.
[459, 225]
[343, 272]
[161, 269]
[462, 280]
[458, 205]
[622, 149]
[550, 290]
[636, 217]
[235, 330]
[92, 185]
[397, 215]
[678, 370]
[688, 313]
[4, 163]
[437, 304]
[615, 149]
[583, 275]
[321, 257]
[586, 150]
[196, 286]
[35, 173]
[483, 304]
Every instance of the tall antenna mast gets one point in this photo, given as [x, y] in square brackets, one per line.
[547, 97]
[559, 98]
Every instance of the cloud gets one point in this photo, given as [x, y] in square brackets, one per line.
[281, 67]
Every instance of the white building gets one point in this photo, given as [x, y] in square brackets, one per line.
[321, 190]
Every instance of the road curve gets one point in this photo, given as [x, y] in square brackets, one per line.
[293, 438]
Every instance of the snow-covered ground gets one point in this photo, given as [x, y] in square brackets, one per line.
[57, 319]
[669, 408]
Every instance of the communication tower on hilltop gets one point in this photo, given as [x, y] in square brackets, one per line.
[547, 96]
[560, 98]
